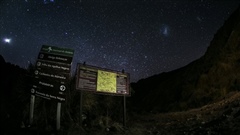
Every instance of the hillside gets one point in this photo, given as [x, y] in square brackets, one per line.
[209, 78]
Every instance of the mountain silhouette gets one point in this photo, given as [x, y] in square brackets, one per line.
[2, 61]
[207, 79]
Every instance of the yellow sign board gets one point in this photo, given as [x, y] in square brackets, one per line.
[106, 82]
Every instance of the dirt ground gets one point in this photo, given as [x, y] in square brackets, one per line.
[221, 117]
[218, 118]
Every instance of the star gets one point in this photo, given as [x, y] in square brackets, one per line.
[164, 30]
[7, 40]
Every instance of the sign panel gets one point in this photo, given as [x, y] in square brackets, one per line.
[52, 72]
[57, 67]
[61, 76]
[47, 93]
[55, 58]
[57, 50]
[104, 81]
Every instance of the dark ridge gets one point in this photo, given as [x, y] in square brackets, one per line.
[209, 78]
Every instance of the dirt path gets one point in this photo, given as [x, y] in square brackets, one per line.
[221, 117]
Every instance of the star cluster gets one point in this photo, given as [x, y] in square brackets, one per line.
[142, 37]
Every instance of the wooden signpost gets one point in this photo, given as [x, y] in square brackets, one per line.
[102, 81]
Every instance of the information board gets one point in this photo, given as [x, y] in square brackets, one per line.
[52, 72]
[100, 80]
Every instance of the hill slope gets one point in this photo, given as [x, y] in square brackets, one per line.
[206, 79]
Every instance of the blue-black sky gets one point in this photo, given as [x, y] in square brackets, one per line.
[144, 37]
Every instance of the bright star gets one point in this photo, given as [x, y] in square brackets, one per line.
[7, 40]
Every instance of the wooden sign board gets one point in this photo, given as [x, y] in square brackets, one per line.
[102, 81]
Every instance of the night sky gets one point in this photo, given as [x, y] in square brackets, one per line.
[144, 37]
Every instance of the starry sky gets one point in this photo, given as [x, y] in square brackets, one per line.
[143, 37]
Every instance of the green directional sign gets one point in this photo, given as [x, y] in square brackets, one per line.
[57, 50]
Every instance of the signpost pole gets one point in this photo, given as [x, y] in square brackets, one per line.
[124, 108]
[124, 111]
[80, 119]
[58, 116]
[31, 109]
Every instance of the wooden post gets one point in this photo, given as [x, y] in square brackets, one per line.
[124, 108]
[58, 122]
[124, 111]
[31, 109]
[80, 118]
